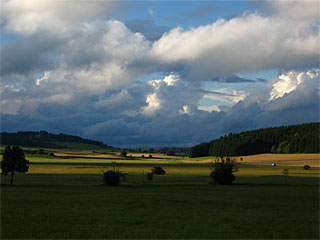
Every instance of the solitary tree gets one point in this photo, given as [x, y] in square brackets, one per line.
[285, 174]
[123, 153]
[114, 176]
[13, 160]
[223, 169]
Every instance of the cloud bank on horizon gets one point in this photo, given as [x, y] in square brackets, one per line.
[72, 67]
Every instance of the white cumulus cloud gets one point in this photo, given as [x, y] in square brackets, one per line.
[29, 16]
[248, 43]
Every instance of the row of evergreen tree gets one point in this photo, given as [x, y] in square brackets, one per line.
[43, 139]
[302, 138]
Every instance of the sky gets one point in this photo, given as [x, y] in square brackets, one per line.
[158, 73]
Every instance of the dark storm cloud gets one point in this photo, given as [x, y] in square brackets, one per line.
[118, 118]
[261, 80]
[27, 55]
[232, 79]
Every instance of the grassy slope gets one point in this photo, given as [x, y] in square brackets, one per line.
[70, 145]
[80, 146]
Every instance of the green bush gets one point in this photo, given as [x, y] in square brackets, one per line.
[306, 167]
[41, 151]
[111, 178]
[114, 177]
[123, 153]
[170, 152]
[222, 170]
[158, 171]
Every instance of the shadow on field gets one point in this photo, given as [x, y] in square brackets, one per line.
[94, 181]
[7, 185]
[148, 185]
[258, 184]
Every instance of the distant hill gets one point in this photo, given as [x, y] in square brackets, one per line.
[302, 138]
[43, 139]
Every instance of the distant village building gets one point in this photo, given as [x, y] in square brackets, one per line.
[274, 164]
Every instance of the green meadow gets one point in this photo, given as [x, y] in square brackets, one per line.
[67, 200]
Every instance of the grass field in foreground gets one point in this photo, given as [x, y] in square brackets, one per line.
[173, 206]
[66, 199]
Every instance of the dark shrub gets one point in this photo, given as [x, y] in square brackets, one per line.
[150, 156]
[114, 176]
[222, 171]
[170, 152]
[158, 171]
[306, 167]
[111, 178]
[123, 153]
[150, 176]
[41, 151]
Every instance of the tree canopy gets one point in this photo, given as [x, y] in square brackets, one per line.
[13, 160]
[45, 139]
[303, 138]
[222, 170]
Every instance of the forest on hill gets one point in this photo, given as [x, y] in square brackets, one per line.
[44, 139]
[302, 138]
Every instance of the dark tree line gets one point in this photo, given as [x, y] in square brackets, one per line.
[302, 138]
[43, 139]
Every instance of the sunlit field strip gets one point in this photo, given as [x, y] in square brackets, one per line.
[93, 160]
[171, 169]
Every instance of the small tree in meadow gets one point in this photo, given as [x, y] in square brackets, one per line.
[285, 174]
[114, 176]
[13, 160]
[123, 153]
[51, 154]
[158, 171]
[223, 169]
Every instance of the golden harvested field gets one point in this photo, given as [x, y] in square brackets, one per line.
[312, 159]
